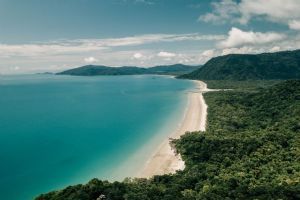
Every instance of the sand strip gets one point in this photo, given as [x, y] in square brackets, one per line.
[164, 160]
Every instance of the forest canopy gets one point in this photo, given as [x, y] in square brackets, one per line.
[266, 66]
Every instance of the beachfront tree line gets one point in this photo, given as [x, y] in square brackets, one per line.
[251, 150]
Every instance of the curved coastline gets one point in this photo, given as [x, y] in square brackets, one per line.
[164, 160]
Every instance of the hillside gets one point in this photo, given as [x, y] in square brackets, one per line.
[176, 69]
[94, 70]
[280, 65]
[250, 150]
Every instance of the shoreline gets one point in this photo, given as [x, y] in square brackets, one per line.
[164, 160]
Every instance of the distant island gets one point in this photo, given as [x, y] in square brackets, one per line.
[46, 73]
[265, 66]
[96, 70]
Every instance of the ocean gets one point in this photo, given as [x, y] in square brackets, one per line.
[61, 130]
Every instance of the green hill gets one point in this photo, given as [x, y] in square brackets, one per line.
[280, 65]
[250, 150]
[175, 69]
[95, 70]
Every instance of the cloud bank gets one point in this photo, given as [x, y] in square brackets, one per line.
[88, 45]
[278, 11]
[238, 38]
[90, 60]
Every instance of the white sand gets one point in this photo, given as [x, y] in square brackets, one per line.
[164, 160]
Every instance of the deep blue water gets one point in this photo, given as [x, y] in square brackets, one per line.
[61, 130]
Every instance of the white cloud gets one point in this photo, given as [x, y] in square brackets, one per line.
[165, 54]
[272, 10]
[40, 56]
[294, 24]
[168, 56]
[282, 45]
[138, 55]
[208, 53]
[242, 50]
[222, 11]
[62, 47]
[275, 49]
[90, 60]
[144, 39]
[238, 38]
[32, 50]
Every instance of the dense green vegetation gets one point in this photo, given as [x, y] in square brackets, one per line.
[241, 85]
[94, 70]
[279, 65]
[251, 150]
[176, 69]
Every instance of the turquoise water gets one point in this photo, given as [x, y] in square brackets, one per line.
[62, 130]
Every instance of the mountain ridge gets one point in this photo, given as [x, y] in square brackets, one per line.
[265, 66]
[95, 70]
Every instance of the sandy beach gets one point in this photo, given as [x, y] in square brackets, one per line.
[164, 160]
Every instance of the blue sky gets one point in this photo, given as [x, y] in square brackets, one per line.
[73, 19]
[52, 35]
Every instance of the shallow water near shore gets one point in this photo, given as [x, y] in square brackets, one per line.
[62, 130]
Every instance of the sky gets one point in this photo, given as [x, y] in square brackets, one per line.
[54, 35]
